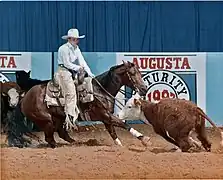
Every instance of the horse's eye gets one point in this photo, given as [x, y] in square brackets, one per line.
[129, 106]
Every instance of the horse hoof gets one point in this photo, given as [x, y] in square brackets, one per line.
[52, 146]
[146, 141]
[72, 141]
[74, 128]
[119, 145]
[118, 142]
[176, 149]
[40, 141]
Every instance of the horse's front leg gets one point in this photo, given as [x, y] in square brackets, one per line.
[115, 121]
[113, 134]
[144, 139]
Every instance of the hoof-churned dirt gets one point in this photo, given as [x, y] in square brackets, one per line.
[95, 156]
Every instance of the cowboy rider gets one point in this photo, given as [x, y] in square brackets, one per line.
[70, 60]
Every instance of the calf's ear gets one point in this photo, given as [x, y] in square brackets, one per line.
[137, 102]
[4, 94]
[22, 94]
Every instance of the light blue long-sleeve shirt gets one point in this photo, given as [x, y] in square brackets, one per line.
[72, 58]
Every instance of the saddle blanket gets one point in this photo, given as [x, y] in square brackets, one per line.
[84, 93]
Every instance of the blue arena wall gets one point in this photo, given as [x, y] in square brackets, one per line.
[151, 26]
[214, 87]
[140, 26]
[42, 67]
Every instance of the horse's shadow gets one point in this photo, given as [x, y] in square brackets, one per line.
[162, 150]
[173, 150]
[90, 142]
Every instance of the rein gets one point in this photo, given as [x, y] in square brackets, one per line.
[98, 95]
[121, 91]
[108, 93]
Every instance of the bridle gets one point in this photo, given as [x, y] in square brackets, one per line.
[121, 91]
[132, 80]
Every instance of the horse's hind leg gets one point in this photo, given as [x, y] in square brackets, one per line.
[61, 131]
[64, 134]
[202, 136]
[49, 131]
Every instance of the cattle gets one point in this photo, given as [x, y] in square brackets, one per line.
[10, 95]
[11, 90]
[173, 119]
[25, 82]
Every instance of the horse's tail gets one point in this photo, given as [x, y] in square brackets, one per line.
[201, 112]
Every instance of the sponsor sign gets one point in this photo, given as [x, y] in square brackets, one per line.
[165, 84]
[170, 75]
[15, 61]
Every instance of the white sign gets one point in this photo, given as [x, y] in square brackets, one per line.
[165, 84]
[15, 61]
[173, 75]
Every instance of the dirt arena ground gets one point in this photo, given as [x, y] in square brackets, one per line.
[101, 159]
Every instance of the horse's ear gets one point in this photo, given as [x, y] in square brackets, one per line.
[131, 64]
[137, 102]
[125, 64]
[29, 73]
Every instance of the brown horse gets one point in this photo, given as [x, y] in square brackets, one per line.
[51, 119]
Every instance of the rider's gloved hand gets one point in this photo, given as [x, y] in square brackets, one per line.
[89, 74]
[81, 68]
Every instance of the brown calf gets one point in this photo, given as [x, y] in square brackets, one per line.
[173, 119]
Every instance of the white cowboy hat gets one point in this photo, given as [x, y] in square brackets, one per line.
[74, 33]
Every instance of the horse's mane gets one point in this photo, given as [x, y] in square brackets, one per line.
[105, 78]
